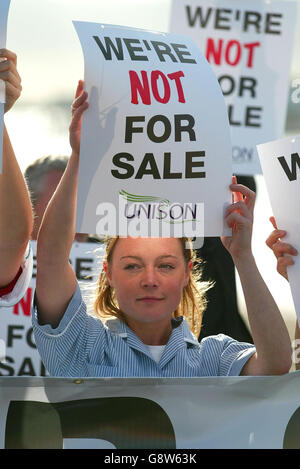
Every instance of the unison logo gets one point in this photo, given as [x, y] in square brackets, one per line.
[143, 215]
[155, 208]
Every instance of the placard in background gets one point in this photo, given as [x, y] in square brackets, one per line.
[280, 162]
[249, 44]
[18, 352]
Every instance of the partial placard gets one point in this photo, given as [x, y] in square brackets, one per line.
[249, 44]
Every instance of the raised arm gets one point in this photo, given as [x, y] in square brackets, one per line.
[269, 332]
[16, 219]
[56, 280]
[284, 253]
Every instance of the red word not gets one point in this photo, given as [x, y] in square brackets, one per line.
[24, 303]
[232, 52]
[142, 87]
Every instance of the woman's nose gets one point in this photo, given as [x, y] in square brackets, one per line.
[149, 277]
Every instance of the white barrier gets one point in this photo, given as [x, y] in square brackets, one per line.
[173, 413]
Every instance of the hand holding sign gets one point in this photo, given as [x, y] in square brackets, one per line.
[79, 105]
[282, 251]
[11, 77]
[239, 217]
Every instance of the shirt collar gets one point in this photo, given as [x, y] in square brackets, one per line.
[180, 330]
[118, 327]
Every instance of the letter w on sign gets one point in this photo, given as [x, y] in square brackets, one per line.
[291, 172]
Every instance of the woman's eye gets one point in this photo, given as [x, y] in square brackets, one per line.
[166, 266]
[131, 267]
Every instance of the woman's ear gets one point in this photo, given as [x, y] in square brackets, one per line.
[188, 273]
[108, 274]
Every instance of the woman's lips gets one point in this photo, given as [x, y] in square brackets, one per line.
[150, 299]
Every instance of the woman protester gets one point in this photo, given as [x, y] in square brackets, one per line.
[148, 292]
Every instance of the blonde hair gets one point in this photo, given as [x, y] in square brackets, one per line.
[191, 306]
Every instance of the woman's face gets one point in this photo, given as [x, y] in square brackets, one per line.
[148, 275]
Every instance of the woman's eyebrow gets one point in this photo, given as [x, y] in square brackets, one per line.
[130, 257]
[168, 255]
[159, 257]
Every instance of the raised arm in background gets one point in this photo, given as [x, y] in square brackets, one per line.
[284, 253]
[56, 280]
[16, 219]
[269, 332]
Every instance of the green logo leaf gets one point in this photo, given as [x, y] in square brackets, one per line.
[143, 198]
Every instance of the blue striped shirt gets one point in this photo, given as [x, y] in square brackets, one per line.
[83, 346]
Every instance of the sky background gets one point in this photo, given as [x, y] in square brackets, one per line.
[50, 57]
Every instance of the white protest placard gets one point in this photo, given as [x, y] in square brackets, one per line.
[249, 44]
[155, 156]
[4, 7]
[280, 162]
[253, 412]
[18, 352]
